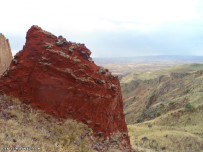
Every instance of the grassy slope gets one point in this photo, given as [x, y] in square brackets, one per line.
[23, 126]
[159, 98]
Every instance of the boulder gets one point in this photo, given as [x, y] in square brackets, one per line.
[59, 77]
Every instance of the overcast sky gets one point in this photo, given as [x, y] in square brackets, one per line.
[111, 28]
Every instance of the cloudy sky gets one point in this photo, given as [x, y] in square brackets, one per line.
[111, 28]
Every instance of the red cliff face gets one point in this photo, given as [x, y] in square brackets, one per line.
[60, 78]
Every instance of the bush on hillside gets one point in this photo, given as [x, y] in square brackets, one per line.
[189, 107]
[158, 114]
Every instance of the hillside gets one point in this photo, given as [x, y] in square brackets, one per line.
[164, 108]
[23, 126]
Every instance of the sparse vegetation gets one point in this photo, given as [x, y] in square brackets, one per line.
[170, 132]
[23, 126]
[189, 107]
[158, 114]
[174, 110]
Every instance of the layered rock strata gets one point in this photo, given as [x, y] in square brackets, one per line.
[60, 77]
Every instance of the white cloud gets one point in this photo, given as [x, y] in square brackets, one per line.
[91, 15]
[128, 25]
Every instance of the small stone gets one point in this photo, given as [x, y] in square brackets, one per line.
[89, 122]
[102, 70]
[99, 134]
[90, 59]
[101, 81]
[152, 115]
[63, 54]
[71, 49]
[60, 41]
[5, 74]
[97, 125]
[45, 137]
[12, 68]
[125, 134]
[48, 45]
[83, 52]
[36, 27]
[76, 60]
[166, 136]
[111, 85]
[149, 125]
[15, 61]
[43, 59]
[145, 138]
[115, 141]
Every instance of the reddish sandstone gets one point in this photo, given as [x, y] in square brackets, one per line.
[60, 78]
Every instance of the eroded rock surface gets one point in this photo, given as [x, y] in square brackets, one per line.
[60, 78]
[5, 54]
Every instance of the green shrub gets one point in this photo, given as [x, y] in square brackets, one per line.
[171, 103]
[90, 130]
[186, 91]
[189, 107]
[158, 114]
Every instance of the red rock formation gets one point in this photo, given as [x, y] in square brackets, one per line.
[60, 78]
[5, 54]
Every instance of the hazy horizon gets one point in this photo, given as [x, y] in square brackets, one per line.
[150, 59]
[111, 28]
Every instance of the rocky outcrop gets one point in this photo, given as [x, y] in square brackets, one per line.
[60, 78]
[5, 54]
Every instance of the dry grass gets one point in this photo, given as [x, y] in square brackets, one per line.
[170, 132]
[179, 103]
[144, 97]
[23, 126]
